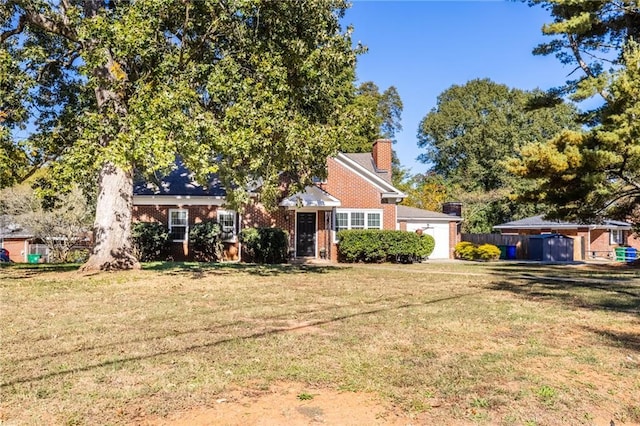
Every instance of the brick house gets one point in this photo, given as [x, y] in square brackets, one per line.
[357, 194]
[595, 241]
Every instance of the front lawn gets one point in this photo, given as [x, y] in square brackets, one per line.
[444, 343]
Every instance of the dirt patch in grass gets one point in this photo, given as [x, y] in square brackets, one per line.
[289, 404]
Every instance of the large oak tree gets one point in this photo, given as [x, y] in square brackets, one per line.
[249, 89]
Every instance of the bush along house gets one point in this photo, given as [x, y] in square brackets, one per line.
[356, 194]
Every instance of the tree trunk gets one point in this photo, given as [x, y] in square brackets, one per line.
[112, 227]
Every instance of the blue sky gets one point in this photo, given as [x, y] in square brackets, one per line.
[424, 47]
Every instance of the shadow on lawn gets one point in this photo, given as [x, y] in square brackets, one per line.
[197, 347]
[201, 270]
[630, 341]
[26, 270]
[620, 295]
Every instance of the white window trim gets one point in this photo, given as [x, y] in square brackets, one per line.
[366, 219]
[186, 231]
[234, 215]
[616, 236]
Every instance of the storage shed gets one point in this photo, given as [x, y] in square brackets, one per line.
[551, 248]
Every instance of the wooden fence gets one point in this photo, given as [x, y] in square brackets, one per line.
[520, 241]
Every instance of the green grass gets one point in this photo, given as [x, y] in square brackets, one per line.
[492, 344]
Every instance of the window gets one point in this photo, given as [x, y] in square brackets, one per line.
[178, 225]
[342, 221]
[227, 221]
[373, 221]
[357, 219]
[616, 236]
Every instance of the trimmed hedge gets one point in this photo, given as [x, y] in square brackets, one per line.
[373, 245]
[469, 251]
[265, 245]
[206, 240]
[150, 240]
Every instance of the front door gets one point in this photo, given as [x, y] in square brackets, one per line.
[306, 234]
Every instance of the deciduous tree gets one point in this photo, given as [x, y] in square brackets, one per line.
[243, 88]
[473, 130]
[62, 226]
[372, 115]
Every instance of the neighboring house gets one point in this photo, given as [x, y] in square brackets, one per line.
[19, 240]
[594, 241]
[444, 228]
[357, 194]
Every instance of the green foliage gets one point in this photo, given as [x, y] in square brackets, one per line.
[589, 35]
[478, 125]
[265, 245]
[468, 251]
[205, 238]
[372, 115]
[150, 240]
[469, 136]
[248, 89]
[372, 245]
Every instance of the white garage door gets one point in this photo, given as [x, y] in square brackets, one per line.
[439, 232]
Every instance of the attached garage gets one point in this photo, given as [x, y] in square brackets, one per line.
[444, 228]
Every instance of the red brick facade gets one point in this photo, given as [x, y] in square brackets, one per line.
[353, 186]
[196, 214]
[18, 248]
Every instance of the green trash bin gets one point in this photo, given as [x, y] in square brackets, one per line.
[503, 251]
[620, 253]
[33, 258]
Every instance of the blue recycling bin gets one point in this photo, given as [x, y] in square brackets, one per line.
[511, 252]
[631, 254]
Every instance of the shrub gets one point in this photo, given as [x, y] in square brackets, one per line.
[265, 245]
[427, 244]
[150, 240]
[465, 250]
[373, 245]
[205, 239]
[469, 251]
[488, 252]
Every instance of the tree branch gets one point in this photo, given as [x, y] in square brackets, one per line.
[6, 34]
[41, 21]
[575, 48]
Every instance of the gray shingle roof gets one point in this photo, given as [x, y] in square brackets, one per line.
[538, 222]
[9, 228]
[180, 181]
[413, 213]
[366, 160]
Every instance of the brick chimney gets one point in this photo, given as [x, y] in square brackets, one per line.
[382, 154]
[452, 208]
